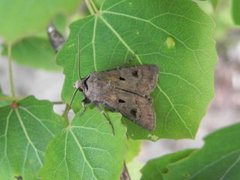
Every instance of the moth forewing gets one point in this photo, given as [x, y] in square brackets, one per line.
[125, 90]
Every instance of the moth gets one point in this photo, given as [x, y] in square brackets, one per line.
[126, 90]
[55, 37]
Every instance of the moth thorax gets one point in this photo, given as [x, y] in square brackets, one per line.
[79, 85]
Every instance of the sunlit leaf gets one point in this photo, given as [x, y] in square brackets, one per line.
[176, 36]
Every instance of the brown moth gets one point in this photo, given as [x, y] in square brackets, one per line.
[55, 37]
[126, 90]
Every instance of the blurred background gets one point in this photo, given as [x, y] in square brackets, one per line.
[223, 111]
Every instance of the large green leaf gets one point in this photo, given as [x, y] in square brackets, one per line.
[34, 52]
[20, 18]
[176, 36]
[26, 127]
[218, 159]
[156, 168]
[87, 149]
[235, 11]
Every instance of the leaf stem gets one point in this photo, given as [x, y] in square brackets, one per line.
[93, 6]
[10, 72]
[9, 98]
[65, 113]
[90, 8]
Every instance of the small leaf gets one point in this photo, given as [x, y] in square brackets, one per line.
[26, 127]
[20, 18]
[218, 159]
[87, 149]
[158, 167]
[34, 52]
[235, 11]
[176, 36]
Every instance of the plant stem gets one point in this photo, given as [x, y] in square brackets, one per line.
[89, 7]
[93, 6]
[65, 113]
[10, 73]
[9, 98]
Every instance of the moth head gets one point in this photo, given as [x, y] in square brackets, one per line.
[79, 85]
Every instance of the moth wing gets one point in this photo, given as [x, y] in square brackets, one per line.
[134, 107]
[140, 79]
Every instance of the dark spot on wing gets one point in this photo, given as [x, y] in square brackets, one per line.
[134, 112]
[121, 78]
[135, 73]
[121, 101]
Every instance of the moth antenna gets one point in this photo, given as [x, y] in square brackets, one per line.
[73, 96]
[78, 59]
[68, 107]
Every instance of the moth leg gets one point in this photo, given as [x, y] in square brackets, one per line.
[107, 117]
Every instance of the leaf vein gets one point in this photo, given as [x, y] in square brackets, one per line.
[27, 137]
[83, 153]
[39, 120]
[183, 79]
[214, 162]
[93, 43]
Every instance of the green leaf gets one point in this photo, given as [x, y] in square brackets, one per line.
[133, 149]
[20, 18]
[158, 167]
[176, 36]
[218, 159]
[34, 52]
[235, 11]
[87, 149]
[26, 127]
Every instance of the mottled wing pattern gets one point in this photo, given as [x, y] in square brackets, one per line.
[140, 79]
[134, 107]
[125, 90]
